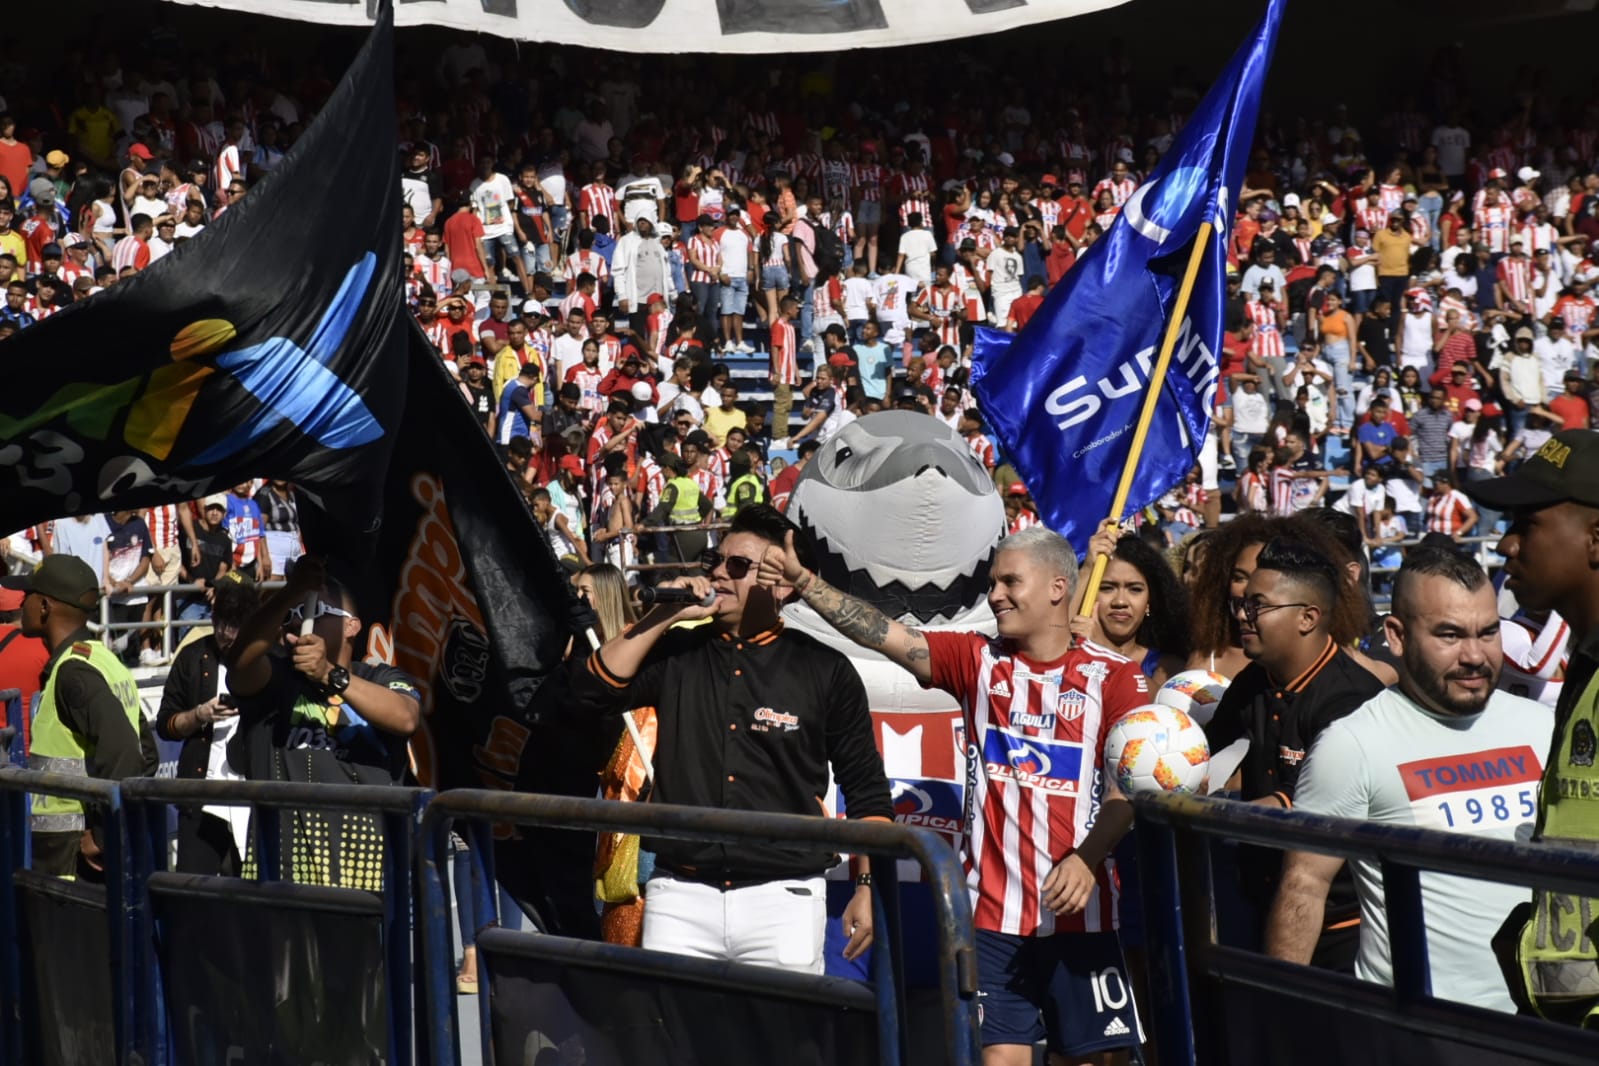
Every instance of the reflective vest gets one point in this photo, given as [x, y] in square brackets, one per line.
[58, 749]
[732, 493]
[1558, 950]
[686, 509]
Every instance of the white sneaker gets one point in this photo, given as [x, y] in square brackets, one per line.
[780, 445]
[747, 349]
[150, 657]
[809, 345]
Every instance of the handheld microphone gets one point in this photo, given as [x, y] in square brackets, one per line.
[648, 596]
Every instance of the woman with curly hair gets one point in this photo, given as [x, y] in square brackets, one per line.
[1141, 610]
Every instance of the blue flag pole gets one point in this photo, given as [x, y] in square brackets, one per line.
[1146, 413]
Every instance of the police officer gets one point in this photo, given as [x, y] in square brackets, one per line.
[745, 489]
[1551, 555]
[682, 504]
[89, 721]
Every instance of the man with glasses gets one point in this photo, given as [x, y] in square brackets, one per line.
[309, 712]
[752, 716]
[1298, 682]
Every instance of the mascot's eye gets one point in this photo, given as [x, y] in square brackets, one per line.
[843, 454]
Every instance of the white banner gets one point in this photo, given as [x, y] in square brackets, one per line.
[748, 26]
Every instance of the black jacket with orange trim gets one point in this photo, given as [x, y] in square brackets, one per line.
[748, 724]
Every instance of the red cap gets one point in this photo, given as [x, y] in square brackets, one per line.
[1049, 179]
[1016, 489]
[652, 297]
[842, 357]
[573, 464]
[1496, 172]
[141, 151]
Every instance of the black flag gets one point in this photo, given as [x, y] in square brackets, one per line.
[267, 346]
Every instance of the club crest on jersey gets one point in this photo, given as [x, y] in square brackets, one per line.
[1070, 705]
[1033, 762]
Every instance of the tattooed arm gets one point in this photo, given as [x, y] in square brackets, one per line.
[855, 618]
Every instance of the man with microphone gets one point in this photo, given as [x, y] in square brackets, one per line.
[751, 717]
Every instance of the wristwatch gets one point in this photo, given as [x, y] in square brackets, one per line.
[863, 880]
[338, 680]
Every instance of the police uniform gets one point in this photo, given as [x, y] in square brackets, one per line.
[89, 722]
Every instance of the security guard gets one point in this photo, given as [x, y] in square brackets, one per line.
[745, 489]
[682, 504]
[1551, 551]
[89, 722]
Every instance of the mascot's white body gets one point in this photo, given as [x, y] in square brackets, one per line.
[900, 513]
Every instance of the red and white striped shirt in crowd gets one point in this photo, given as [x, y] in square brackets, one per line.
[983, 448]
[1420, 229]
[716, 462]
[1501, 156]
[229, 166]
[837, 176]
[1447, 512]
[915, 194]
[587, 260]
[868, 178]
[986, 239]
[413, 291]
[1024, 519]
[436, 272]
[577, 301]
[824, 297]
[765, 122]
[1120, 191]
[39, 311]
[1302, 247]
[1392, 197]
[704, 249]
[163, 524]
[1106, 218]
[1048, 212]
[651, 482]
[588, 379]
[806, 165]
[598, 200]
[130, 251]
[71, 272]
[1268, 342]
[1371, 219]
[1282, 492]
[785, 352]
[1493, 224]
[1036, 736]
[968, 281]
[438, 334]
[1576, 312]
[1537, 236]
[1516, 276]
[942, 305]
[708, 481]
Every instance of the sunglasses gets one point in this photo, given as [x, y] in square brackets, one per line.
[1252, 608]
[738, 566]
[323, 610]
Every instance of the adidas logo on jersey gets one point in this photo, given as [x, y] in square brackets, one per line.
[1000, 688]
[1116, 1028]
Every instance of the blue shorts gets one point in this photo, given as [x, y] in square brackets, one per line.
[774, 277]
[735, 296]
[1360, 302]
[870, 213]
[1070, 988]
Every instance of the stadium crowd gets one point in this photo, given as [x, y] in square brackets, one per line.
[598, 257]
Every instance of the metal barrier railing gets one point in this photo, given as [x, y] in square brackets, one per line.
[144, 802]
[167, 623]
[1175, 836]
[136, 1014]
[956, 954]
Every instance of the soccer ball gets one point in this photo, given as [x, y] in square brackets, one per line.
[1194, 692]
[1157, 749]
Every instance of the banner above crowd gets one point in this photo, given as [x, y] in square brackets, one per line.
[748, 26]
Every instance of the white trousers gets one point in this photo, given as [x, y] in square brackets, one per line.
[778, 924]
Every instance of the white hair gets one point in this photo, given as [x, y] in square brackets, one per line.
[1047, 548]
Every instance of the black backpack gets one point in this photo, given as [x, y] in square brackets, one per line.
[826, 248]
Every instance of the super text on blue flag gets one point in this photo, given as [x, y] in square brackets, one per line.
[1064, 394]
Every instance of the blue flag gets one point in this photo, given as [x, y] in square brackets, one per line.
[1064, 394]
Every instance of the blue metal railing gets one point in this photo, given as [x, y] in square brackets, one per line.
[956, 954]
[1189, 969]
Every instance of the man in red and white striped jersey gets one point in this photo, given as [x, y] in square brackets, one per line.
[433, 265]
[134, 249]
[1120, 183]
[1448, 509]
[942, 306]
[1513, 289]
[597, 200]
[1042, 817]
